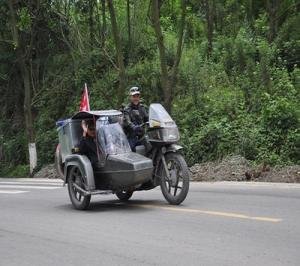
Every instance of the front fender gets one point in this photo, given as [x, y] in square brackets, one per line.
[85, 166]
[173, 148]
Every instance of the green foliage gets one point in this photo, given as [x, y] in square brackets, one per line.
[280, 114]
[228, 116]
[14, 148]
[19, 171]
[25, 19]
[242, 99]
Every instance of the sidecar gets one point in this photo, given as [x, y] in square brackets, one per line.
[118, 170]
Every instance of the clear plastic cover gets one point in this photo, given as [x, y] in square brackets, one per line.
[111, 137]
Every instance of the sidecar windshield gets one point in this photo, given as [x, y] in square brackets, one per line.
[111, 137]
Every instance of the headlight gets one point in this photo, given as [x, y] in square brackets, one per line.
[171, 134]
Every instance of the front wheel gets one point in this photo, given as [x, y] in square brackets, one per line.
[79, 201]
[176, 186]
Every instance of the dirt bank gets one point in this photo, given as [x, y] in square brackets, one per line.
[233, 168]
[237, 168]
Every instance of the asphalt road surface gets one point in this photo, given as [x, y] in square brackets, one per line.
[218, 224]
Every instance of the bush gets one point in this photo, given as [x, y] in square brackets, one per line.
[19, 171]
[281, 114]
[10, 170]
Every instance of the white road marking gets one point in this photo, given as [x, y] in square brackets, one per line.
[29, 183]
[12, 191]
[28, 187]
[42, 180]
[16, 186]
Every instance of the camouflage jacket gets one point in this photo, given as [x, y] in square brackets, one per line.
[134, 115]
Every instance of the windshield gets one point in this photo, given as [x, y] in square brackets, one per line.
[111, 137]
[158, 116]
[158, 112]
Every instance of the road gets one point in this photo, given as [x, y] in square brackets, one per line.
[219, 224]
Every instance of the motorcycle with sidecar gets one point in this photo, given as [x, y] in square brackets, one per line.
[119, 170]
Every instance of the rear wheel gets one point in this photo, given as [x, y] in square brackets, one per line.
[176, 186]
[78, 199]
[124, 195]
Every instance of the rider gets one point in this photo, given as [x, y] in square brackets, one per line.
[87, 144]
[135, 114]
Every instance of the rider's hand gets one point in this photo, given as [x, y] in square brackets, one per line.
[138, 130]
[84, 128]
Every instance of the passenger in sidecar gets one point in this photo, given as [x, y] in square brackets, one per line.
[87, 144]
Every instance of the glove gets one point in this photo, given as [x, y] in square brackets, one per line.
[138, 130]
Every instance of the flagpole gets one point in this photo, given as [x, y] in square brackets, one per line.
[87, 94]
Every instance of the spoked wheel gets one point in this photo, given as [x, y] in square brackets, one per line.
[79, 201]
[124, 195]
[176, 186]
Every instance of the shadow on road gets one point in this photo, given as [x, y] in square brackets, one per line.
[116, 205]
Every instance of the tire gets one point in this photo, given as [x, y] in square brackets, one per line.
[79, 201]
[58, 163]
[177, 166]
[124, 195]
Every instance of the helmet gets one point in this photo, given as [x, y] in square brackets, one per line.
[134, 91]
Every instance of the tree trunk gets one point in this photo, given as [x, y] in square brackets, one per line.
[272, 9]
[210, 25]
[99, 26]
[120, 58]
[179, 46]
[249, 11]
[25, 71]
[128, 28]
[168, 80]
[162, 54]
[91, 22]
[103, 32]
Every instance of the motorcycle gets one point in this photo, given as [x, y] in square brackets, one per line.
[159, 143]
[119, 170]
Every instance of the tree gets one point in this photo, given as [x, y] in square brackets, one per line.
[23, 56]
[240, 63]
[209, 7]
[168, 77]
[120, 57]
[128, 23]
[272, 9]
[103, 32]
[91, 22]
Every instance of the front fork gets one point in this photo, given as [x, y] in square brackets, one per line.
[163, 159]
[160, 160]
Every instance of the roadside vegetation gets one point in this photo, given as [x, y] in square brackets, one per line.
[227, 70]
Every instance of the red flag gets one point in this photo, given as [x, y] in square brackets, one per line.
[85, 102]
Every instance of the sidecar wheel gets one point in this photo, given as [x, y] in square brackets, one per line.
[175, 188]
[79, 201]
[124, 195]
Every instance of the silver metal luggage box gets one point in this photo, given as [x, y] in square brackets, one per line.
[69, 136]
